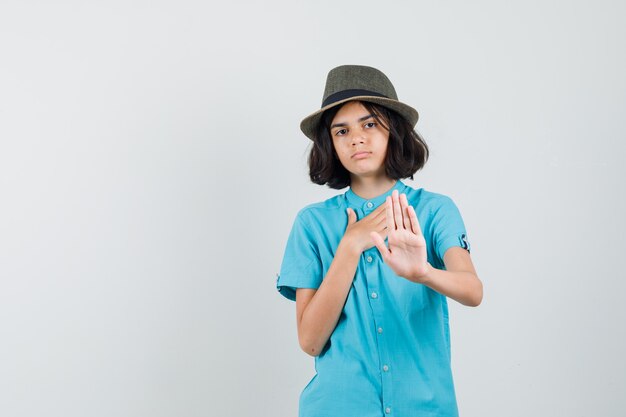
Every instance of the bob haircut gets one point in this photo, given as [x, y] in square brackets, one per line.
[407, 151]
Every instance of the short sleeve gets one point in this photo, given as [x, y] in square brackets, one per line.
[301, 266]
[448, 228]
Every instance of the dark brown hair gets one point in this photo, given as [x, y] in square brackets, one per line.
[407, 151]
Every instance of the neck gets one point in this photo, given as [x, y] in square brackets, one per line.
[371, 187]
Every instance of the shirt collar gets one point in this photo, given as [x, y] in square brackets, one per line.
[354, 200]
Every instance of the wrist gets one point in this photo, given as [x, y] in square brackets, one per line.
[423, 275]
[348, 246]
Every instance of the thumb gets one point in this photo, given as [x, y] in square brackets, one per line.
[351, 216]
[379, 242]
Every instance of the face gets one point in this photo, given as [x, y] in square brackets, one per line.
[359, 140]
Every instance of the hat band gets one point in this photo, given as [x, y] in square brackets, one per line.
[344, 94]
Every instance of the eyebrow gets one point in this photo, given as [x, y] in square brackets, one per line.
[362, 119]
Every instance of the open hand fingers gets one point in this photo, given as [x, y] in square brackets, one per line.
[377, 218]
[397, 210]
[409, 216]
[415, 225]
[391, 224]
[381, 226]
[378, 212]
[375, 222]
[406, 217]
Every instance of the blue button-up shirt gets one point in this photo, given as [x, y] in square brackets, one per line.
[390, 352]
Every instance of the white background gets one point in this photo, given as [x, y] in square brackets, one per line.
[151, 166]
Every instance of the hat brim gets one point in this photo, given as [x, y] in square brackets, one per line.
[309, 123]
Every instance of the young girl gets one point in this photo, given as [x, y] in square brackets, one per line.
[370, 269]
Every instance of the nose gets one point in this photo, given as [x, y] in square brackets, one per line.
[357, 136]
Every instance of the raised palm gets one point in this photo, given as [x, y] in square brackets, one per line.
[406, 250]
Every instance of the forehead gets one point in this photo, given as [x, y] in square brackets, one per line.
[350, 110]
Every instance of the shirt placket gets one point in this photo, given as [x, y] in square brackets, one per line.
[371, 262]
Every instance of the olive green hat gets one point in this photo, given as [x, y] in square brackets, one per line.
[357, 82]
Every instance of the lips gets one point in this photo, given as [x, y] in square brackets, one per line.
[360, 154]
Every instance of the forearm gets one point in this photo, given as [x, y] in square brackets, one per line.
[462, 286]
[321, 314]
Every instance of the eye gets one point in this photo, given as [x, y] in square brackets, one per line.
[340, 132]
[369, 125]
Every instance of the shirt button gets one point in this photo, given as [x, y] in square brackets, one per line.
[380, 330]
[385, 368]
[369, 259]
[370, 204]
[374, 295]
[388, 410]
